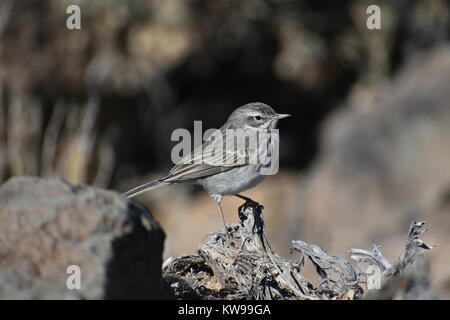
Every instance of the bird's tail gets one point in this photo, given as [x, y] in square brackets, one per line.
[152, 185]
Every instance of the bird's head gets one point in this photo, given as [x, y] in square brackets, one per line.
[256, 115]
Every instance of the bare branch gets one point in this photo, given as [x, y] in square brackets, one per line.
[245, 267]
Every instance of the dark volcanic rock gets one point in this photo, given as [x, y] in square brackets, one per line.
[48, 225]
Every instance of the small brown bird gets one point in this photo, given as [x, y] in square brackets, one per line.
[219, 177]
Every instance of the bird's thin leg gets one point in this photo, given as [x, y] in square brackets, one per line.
[221, 213]
[218, 199]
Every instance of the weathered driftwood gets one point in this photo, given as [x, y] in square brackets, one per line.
[239, 263]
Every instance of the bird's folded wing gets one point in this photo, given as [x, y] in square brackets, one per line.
[210, 158]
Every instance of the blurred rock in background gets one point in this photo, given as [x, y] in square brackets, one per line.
[384, 165]
[366, 149]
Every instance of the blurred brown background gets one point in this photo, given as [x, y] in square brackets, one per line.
[366, 151]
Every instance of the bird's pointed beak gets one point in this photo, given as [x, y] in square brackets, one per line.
[281, 116]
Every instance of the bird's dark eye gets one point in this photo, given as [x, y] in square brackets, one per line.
[257, 117]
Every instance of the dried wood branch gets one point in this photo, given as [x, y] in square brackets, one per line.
[239, 263]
